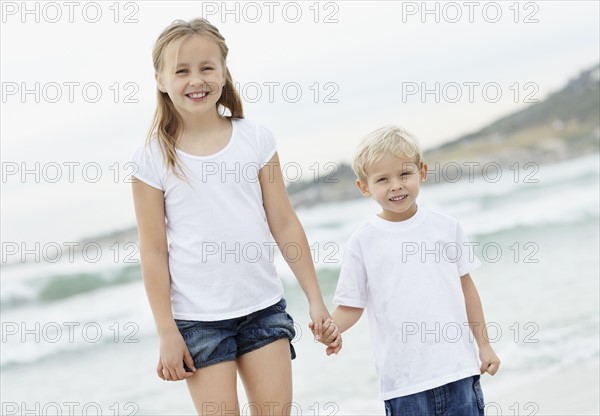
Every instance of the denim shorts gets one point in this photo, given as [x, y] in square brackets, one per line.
[459, 398]
[212, 342]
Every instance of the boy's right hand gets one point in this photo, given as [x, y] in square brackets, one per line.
[335, 346]
[173, 353]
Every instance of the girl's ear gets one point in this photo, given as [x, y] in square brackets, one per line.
[159, 82]
[364, 188]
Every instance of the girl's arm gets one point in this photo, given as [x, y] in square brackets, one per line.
[286, 229]
[489, 360]
[150, 215]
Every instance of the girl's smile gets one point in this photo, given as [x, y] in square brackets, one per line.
[194, 74]
[197, 96]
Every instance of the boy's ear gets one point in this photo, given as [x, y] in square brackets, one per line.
[423, 173]
[159, 82]
[364, 189]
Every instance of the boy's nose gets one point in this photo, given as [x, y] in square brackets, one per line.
[397, 184]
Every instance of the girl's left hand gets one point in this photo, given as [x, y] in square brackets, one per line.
[318, 315]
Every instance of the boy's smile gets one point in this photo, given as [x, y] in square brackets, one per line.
[394, 184]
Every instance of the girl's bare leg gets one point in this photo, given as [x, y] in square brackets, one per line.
[267, 377]
[214, 389]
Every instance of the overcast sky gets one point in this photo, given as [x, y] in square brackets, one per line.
[365, 65]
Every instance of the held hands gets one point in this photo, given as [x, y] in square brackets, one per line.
[173, 353]
[489, 360]
[327, 334]
[323, 327]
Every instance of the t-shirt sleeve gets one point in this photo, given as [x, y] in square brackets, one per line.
[466, 260]
[352, 284]
[145, 168]
[266, 145]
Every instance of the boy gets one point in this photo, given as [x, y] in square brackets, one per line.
[409, 266]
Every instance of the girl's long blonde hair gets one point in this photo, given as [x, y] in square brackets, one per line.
[167, 124]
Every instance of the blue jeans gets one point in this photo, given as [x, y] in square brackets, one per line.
[212, 342]
[459, 398]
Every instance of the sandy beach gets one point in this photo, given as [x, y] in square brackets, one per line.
[570, 391]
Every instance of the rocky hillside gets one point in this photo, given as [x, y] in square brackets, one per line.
[564, 125]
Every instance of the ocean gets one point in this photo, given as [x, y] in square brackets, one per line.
[78, 336]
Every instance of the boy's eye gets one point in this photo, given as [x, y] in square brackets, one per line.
[380, 179]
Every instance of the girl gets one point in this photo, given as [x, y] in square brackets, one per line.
[214, 293]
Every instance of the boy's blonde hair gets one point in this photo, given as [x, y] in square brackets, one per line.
[389, 139]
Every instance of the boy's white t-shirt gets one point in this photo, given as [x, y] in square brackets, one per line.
[220, 246]
[407, 275]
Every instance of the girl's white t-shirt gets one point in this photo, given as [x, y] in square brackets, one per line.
[407, 276]
[221, 252]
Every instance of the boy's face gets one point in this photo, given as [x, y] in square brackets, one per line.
[394, 183]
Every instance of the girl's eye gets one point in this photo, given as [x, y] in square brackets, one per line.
[206, 69]
[181, 71]
[380, 179]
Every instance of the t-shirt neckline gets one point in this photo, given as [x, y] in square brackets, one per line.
[401, 225]
[220, 152]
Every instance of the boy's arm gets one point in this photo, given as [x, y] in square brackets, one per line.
[489, 360]
[345, 317]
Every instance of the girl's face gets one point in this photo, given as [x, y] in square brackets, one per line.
[192, 75]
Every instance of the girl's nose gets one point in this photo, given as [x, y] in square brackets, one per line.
[196, 79]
